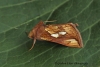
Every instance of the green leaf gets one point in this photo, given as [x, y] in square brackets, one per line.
[20, 16]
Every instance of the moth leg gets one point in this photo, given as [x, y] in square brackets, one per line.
[33, 44]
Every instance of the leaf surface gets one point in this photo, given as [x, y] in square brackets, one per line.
[20, 16]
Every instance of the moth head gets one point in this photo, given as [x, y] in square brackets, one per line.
[31, 34]
[34, 32]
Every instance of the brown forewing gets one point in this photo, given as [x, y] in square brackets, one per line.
[72, 37]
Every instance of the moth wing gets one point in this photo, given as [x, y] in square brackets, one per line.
[71, 37]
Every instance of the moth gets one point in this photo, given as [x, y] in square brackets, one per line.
[65, 34]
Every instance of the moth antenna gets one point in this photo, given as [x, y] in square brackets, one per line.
[50, 21]
[33, 44]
